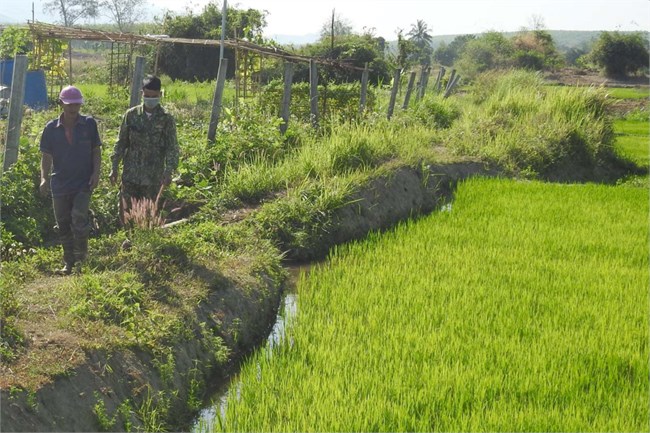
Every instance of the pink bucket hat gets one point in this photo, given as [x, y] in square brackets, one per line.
[71, 95]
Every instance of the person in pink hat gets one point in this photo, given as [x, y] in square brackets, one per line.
[70, 166]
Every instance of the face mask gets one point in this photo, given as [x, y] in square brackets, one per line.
[151, 102]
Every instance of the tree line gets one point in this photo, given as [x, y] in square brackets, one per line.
[615, 54]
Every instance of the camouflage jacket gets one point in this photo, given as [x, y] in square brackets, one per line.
[147, 146]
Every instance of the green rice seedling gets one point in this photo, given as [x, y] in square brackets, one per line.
[523, 307]
[628, 93]
[633, 140]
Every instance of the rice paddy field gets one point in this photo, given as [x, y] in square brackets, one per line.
[522, 306]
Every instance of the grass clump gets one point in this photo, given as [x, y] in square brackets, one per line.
[530, 129]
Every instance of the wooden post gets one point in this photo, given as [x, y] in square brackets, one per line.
[427, 72]
[451, 87]
[441, 73]
[364, 89]
[409, 89]
[393, 92]
[70, 60]
[313, 93]
[286, 96]
[136, 82]
[155, 66]
[15, 117]
[217, 99]
[424, 81]
[418, 95]
[451, 79]
[224, 14]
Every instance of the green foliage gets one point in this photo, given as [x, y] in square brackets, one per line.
[620, 54]
[47, 54]
[298, 222]
[421, 38]
[105, 422]
[112, 298]
[447, 54]
[340, 100]
[492, 50]
[354, 50]
[12, 338]
[15, 40]
[26, 215]
[436, 112]
[536, 50]
[201, 63]
[527, 128]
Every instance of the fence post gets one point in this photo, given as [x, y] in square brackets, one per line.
[136, 82]
[364, 89]
[15, 116]
[409, 89]
[286, 96]
[441, 73]
[451, 87]
[393, 92]
[451, 80]
[217, 99]
[313, 93]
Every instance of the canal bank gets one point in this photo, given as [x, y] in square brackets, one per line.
[133, 389]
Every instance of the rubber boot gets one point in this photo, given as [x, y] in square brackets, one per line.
[68, 259]
[80, 249]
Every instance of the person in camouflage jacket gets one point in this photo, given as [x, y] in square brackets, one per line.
[147, 147]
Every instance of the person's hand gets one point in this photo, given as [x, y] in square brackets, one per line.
[44, 187]
[112, 176]
[94, 180]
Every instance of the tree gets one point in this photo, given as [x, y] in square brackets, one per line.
[491, 50]
[405, 51]
[620, 54]
[354, 50]
[536, 50]
[192, 62]
[340, 26]
[419, 35]
[447, 54]
[70, 11]
[124, 13]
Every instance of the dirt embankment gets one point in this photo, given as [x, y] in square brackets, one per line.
[112, 391]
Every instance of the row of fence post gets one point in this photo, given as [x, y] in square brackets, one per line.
[20, 68]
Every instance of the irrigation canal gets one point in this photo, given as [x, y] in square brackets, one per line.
[207, 417]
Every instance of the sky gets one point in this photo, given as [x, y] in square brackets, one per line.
[386, 17]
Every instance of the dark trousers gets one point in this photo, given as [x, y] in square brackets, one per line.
[71, 213]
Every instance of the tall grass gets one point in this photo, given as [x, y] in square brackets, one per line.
[523, 308]
[528, 128]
